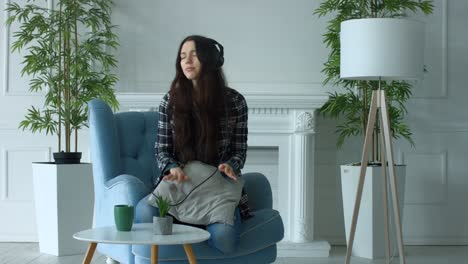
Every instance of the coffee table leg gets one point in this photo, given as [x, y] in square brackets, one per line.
[154, 254]
[190, 255]
[90, 253]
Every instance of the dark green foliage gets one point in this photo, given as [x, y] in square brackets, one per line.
[352, 104]
[68, 57]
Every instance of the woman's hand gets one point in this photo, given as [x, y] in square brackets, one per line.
[228, 171]
[176, 174]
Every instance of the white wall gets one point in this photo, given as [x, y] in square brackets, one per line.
[275, 47]
[267, 43]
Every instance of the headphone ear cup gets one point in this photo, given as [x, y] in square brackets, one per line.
[220, 61]
[219, 54]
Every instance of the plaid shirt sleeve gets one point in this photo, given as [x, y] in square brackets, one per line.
[164, 146]
[238, 142]
[238, 145]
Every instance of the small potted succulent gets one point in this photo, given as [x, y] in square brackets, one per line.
[162, 224]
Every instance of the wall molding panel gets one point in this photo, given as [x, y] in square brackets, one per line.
[8, 157]
[436, 240]
[443, 89]
[431, 186]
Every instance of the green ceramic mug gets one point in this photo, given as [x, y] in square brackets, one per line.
[123, 216]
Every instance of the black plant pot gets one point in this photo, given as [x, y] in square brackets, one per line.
[67, 157]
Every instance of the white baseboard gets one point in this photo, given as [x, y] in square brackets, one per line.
[314, 249]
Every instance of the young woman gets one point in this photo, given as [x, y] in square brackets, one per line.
[202, 119]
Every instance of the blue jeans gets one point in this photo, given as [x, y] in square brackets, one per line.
[225, 237]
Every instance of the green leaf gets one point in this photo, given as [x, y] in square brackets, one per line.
[163, 205]
[71, 67]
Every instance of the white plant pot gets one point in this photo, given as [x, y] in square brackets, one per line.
[369, 240]
[63, 199]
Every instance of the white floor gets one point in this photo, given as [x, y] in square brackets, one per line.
[414, 255]
[28, 253]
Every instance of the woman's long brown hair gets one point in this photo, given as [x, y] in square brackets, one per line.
[197, 118]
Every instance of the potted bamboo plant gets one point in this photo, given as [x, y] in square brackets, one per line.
[68, 58]
[162, 224]
[351, 104]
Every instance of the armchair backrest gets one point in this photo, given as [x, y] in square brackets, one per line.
[122, 143]
[136, 132]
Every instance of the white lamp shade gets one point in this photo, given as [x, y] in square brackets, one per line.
[387, 48]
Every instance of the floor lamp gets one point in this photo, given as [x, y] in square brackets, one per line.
[381, 49]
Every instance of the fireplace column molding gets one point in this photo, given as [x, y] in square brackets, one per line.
[303, 178]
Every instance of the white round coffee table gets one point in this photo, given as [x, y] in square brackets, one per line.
[142, 234]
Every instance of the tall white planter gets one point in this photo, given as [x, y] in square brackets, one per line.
[63, 198]
[369, 240]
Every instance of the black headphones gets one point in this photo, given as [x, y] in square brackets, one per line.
[219, 54]
[211, 53]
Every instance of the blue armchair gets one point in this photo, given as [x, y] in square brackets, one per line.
[124, 168]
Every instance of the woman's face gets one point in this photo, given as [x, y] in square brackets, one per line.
[189, 62]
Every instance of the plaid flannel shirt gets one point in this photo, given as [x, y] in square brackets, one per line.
[232, 142]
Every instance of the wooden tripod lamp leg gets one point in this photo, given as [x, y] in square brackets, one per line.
[384, 194]
[393, 183]
[364, 160]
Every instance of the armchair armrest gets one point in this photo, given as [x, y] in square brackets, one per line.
[123, 189]
[259, 191]
[126, 189]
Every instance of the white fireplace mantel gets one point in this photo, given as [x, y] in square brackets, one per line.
[285, 122]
